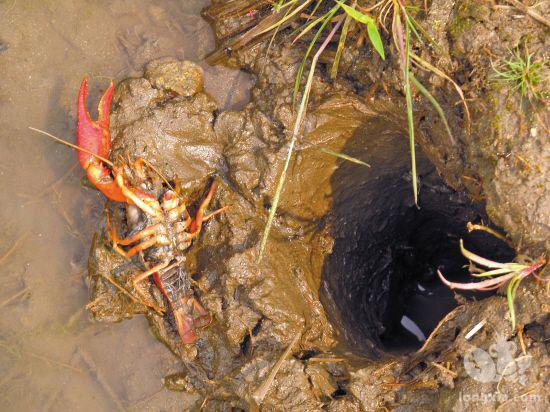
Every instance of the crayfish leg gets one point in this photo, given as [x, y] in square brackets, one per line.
[196, 225]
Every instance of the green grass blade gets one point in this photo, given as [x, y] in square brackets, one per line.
[297, 126]
[300, 73]
[282, 177]
[441, 74]
[411, 25]
[276, 31]
[479, 259]
[372, 30]
[282, 4]
[316, 7]
[341, 45]
[312, 14]
[510, 297]
[356, 14]
[494, 272]
[345, 157]
[286, 17]
[276, 197]
[311, 25]
[511, 304]
[424, 33]
[410, 119]
[435, 104]
[375, 39]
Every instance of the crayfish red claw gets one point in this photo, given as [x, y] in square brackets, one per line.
[95, 138]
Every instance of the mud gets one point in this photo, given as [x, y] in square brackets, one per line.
[52, 357]
[508, 139]
[348, 248]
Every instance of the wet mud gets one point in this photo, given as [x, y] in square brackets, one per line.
[378, 248]
[349, 256]
[52, 357]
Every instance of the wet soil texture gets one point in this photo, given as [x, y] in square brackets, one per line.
[52, 357]
[345, 306]
[351, 261]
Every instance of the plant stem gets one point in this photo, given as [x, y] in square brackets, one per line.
[410, 120]
[297, 125]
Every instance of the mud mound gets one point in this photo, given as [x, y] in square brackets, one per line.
[348, 282]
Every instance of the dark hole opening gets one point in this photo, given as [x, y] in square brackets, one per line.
[380, 284]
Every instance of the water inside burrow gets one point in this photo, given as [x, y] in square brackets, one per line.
[51, 356]
[380, 285]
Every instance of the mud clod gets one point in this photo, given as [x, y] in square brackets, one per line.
[182, 78]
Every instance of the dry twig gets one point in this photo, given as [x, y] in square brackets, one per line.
[259, 394]
[328, 359]
[100, 378]
[448, 317]
[522, 343]
[444, 369]
[14, 247]
[14, 297]
[529, 11]
[471, 227]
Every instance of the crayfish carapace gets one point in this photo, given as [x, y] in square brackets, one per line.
[160, 227]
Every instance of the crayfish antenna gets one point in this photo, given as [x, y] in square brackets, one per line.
[72, 146]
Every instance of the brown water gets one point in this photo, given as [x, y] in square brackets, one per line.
[52, 357]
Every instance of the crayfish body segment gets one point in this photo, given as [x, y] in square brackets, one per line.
[166, 230]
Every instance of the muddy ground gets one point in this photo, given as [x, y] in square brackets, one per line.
[51, 356]
[349, 248]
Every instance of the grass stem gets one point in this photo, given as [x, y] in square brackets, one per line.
[297, 125]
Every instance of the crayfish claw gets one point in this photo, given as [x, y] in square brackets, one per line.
[93, 135]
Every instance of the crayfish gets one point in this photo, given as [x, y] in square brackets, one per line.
[161, 229]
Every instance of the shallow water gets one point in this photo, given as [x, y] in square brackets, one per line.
[52, 357]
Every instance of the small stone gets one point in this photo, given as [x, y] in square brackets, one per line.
[184, 78]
